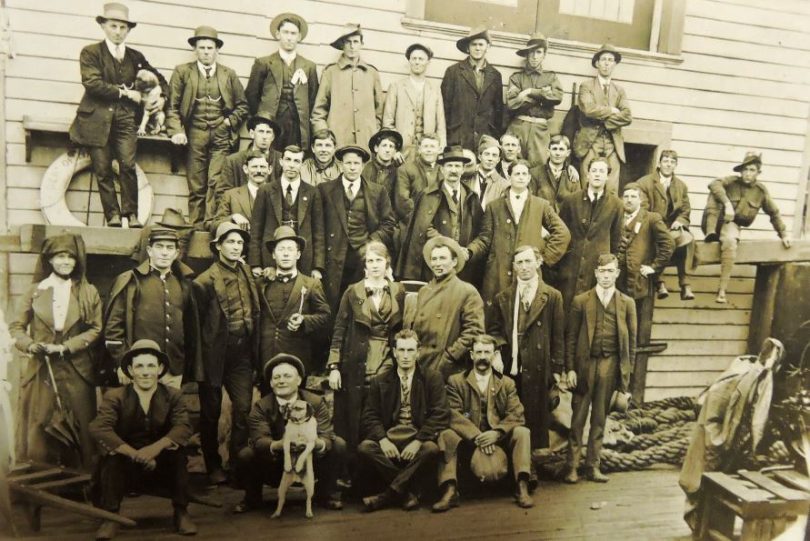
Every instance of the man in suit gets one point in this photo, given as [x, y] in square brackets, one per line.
[262, 461]
[228, 302]
[206, 108]
[404, 414]
[604, 110]
[515, 219]
[141, 430]
[106, 120]
[485, 414]
[594, 219]
[555, 179]
[322, 166]
[383, 166]
[528, 324]
[294, 310]
[600, 353]
[284, 84]
[354, 212]
[290, 202]
[485, 179]
[416, 175]
[236, 205]
[510, 153]
[472, 90]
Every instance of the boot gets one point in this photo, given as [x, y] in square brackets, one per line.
[663, 292]
[523, 499]
[183, 523]
[410, 502]
[379, 501]
[597, 476]
[107, 530]
[686, 293]
[448, 500]
[571, 477]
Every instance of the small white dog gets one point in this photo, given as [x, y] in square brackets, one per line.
[300, 435]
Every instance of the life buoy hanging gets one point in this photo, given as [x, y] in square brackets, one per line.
[57, 178]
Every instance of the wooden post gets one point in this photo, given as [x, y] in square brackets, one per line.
[644, 316]
[765, 290]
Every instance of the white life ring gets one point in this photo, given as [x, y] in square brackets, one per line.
[57, 178]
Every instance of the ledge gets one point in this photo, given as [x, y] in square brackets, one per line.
[755, 252]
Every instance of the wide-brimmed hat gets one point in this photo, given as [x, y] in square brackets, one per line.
[444, 241]
[284, 358]
[352, 148]
[348, 30]
[255, 120]
[750, 157]
[479, 32]
[385, 132]
[281, 17]
[205, 32]
[682, 237]
[162, 233]
[116, 12]
[415, 46]
[144, 346]
[535, 41]
[453, 153]
[173, 219]
[606, 48]
[222, 231]
[489, 468]
[285, 232]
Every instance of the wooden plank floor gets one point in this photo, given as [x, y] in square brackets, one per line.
[638, 506]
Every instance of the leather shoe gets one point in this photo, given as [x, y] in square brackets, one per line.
[217, 477]
[245, 506]
[183, 523]
[448, 500]
[572, 478]
[686, 294]
[134, 223]
[410, 502]
[114, 221]
[334, 502]
[378, 501]
[663, 292]
[597, 476]
[523, 499]
[107, 530]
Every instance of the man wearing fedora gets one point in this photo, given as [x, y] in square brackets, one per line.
[262, 461]
[294, 308]
[284, 84]
[472, 90]
[236, 204]
[405, 411]
[663, 192]
[449, 311]
[604, 110]
[385, 146]
[448, 208]
[141, 430]
[206, 108]
[291, 202]
[155, 301]
[486, 418]
[414, 104]
[531, 97]
[355, 211]
[350, 97]
[733, 203]
[228, 303]
[107, 118]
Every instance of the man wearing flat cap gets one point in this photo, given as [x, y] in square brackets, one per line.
[262, 461]
[284, 84]
[141, 429]
[228, 303]
[350, 97]
[206, 108]
[733, 203]
[531, 97]
[107, 118]
[472, 91]
[385, 146]
[604, 110]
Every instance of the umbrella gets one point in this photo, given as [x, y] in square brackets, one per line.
[63, 426]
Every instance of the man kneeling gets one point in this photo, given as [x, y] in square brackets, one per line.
[485, 416]
[141, 429]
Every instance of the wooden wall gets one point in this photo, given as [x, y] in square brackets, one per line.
[743, 82]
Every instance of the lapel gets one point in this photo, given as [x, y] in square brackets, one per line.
[304, 197]
[508, 308]
[224, 88]
[158, 406]
[489, 78]
[508, 204]
[619, 308]
[219, 287]
[295, 295]
[108, 62]
[43, 306]
[604, 98]
[659, 188]
[370, 205]
[276, 69]
[275, 198]
[389, 388]
[194, 82]
[363, 315]
[243, 200]
[590, 313]
[410, 91]
[538, 303]
[468, 75]
[73, 309]
[336, 194]
[527, 211]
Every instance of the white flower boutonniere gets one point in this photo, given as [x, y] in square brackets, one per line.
[299, 77]
[637, 228]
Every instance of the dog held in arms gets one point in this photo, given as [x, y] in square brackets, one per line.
[300, 434]
[154, 119]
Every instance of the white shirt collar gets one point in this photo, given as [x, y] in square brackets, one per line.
[61, 298]
[286, 402]
[295, 184]
[111, 47]
[605, 295]
[252, 190]
[630, 217]
[593, 195]
[603, 81]
[408, 375]
[459, 188]
[202, 68]
[557, 171]
[355, 184]
[482, 381]
[287, 57]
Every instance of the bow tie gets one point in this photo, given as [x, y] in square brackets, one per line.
[284, 277]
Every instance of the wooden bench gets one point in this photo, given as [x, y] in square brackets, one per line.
[33, 124]
[765, 506]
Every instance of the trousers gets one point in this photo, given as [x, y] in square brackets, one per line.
[517, 444]
[207, 149]
[600, 379]
[117, 474]
[400, 476]
[121, 145]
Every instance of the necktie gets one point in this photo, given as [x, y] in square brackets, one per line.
[119, 52]
[350, 191]
[406, 389]
[289, 195]
[455, 196]
[605, 89]
[524, 297]
[207, 71]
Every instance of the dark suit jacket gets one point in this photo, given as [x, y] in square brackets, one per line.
[264, 90]
[654, 199]
[233, 176]
[266, 218]
[429, 410]
[504, 410]
[233, 201]
[544, 184]
[266, 421]
[580, 330]
[469, 113]
[168, 417]
[94, 117]
[412, 177]
[649, 244]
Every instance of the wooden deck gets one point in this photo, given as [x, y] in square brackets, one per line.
[637, 505]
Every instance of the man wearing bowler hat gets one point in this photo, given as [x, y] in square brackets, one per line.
[284, 84]
[107, 118]
[604, 110]
[141, 429]
[350, 98]
[472, 90]
[206, 108]
[228, 303]
[263, 460]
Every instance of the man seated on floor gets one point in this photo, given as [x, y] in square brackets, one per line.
[141, 429]
[262, 461]
[485, 416]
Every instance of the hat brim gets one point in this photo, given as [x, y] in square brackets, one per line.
[126, 360]
[100, 19]
[284, 358]
[301, 241]
[194, 39]
[463, 159]
[244, 234]
[616, 54]
[339, 153]
[174, 226]
[338, 43]
[418, 47]
[454, 247]
[525, 52]
[739, 168]
[303, 27]
[463, 44]
[380, 135]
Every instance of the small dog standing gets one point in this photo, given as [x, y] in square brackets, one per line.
[154, 118]
[300, 434]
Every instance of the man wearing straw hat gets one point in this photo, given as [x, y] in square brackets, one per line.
[106, 118]
[206, 108]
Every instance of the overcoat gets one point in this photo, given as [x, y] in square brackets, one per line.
[504, 409]
[596, 112]
[412, 177]
[469, 114]
[649, 244]
[654, 199]
[399, 111]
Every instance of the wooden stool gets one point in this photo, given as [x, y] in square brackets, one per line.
[764, 505]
